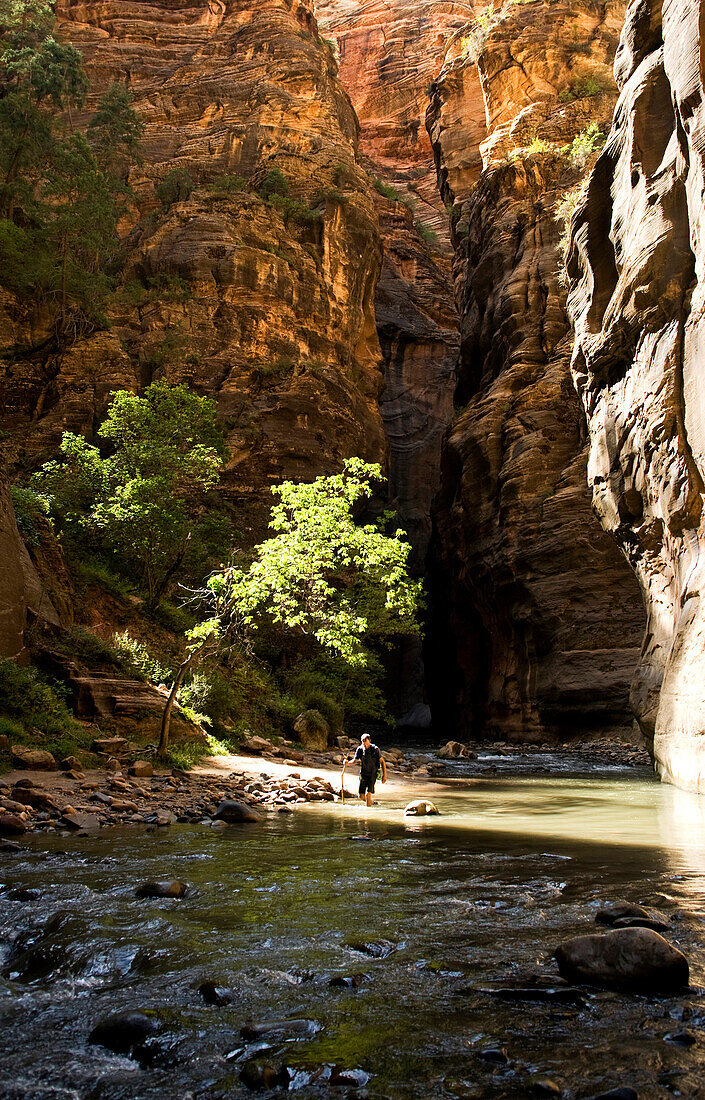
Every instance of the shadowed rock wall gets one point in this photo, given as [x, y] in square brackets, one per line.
[638, 305]
[545, 619]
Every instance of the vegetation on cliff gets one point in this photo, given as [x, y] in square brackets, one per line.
[61, 190]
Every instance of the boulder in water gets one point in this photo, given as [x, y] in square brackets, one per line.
[613, 911]
[11, 825]
[281, 1029]
[636, 959]
[172, 888]
[123, 1032]
[454, 750]
[621, 1093]
[421, 808]
[231, 811]
[215, 995]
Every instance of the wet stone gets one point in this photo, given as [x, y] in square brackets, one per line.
[613, 911]
[682, 1038]
[123, 1032]
[215, 995]
[635, 959]
[621, 1093]
[231, 811]
[495, 1055]
[11, 825]
[281, 1029]
[171, 888]
[379, 949]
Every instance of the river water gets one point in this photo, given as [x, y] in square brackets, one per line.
[463, 906]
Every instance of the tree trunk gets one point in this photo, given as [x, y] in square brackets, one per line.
[166, 717]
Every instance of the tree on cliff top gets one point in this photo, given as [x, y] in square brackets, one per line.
[322, 574]
[60, 190]
[144, 501]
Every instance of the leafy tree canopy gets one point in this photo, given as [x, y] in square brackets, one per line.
[144, 501]
[324, 574]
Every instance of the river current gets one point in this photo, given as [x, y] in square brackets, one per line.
[427, 929]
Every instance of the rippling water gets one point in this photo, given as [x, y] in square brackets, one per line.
[461, 904]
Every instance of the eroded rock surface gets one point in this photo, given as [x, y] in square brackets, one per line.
[638, 305]
[545, 619]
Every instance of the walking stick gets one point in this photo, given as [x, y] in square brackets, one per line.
[342, 783]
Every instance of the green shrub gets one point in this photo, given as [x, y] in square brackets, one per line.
[169, 287]
[274, 183]
[31, 510]
[227, 185]
[177, 186]
[89, 570]
[137, 660]
[386, 189]
[429, 235]
[172, 617]
[584, 145]
[37, 704]
[294, 210]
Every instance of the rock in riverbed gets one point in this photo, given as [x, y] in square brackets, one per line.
[215, 995]
[123, 1032]
[231, 811]
[421, 808]
[172, 888]
[635, 959]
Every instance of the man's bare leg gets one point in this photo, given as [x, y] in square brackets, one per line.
[369, 799]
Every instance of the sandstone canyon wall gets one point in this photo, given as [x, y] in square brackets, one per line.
[268, 309]
[545, 619]
[637, 278]
[389, 54]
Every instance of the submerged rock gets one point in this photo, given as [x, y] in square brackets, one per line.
[618, 1094]
[421, 808]
[256, 1076]
[123, 1032]
[635, 959]
[215, 995]
[376, 949]
[281, 1029]
[235, 812]
[613, 911]
[172, 888]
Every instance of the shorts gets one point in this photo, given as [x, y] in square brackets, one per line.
[367, 783]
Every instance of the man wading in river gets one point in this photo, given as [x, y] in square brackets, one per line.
[371, 760]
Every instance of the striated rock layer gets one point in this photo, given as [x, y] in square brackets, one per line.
[269, 310]
[545, 617]
[636, 268]
[390, 51]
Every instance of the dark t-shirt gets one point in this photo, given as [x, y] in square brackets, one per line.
[369, 760]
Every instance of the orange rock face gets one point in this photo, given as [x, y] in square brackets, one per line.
[390, 52]
[269, 310]
[545, 618]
